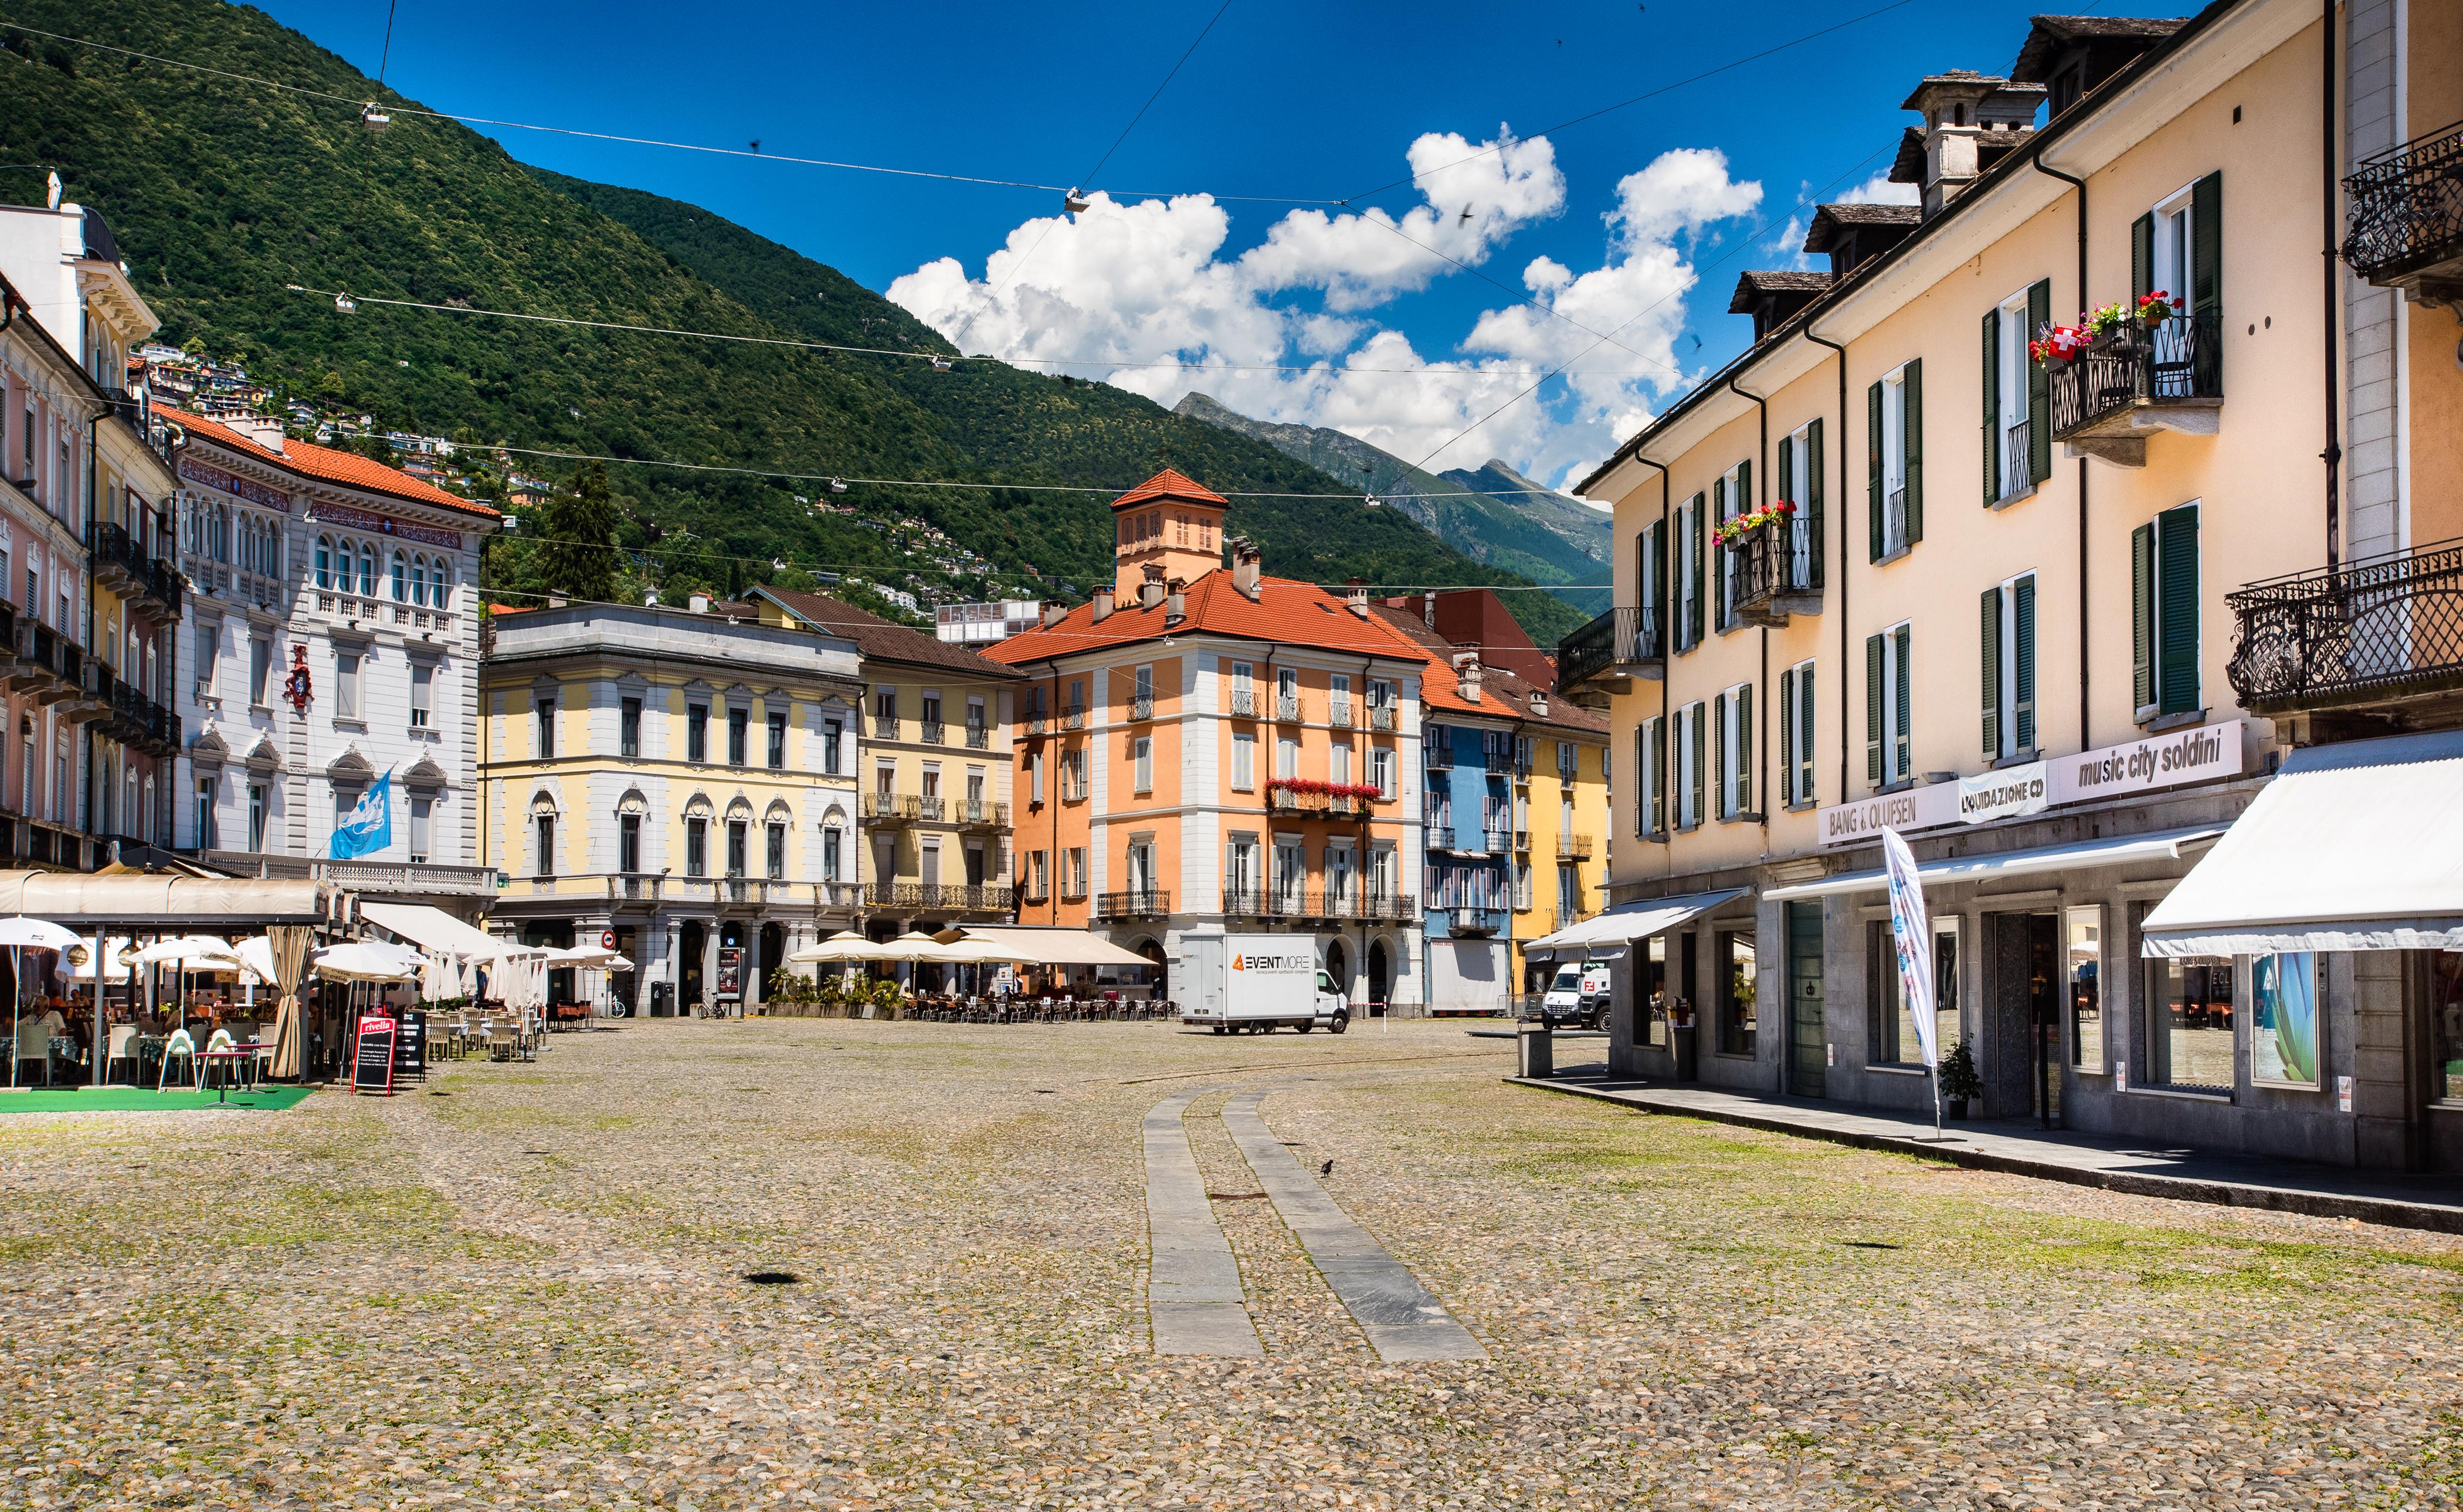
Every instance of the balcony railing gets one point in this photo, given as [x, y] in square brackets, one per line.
[1140, 707]
[1521, 839]
[1137, 903]
[884, 726]
[1074, 717]
[969, 897]
[1441, 837]
[1615, 643]
[1035, 723]
[932, 732]
[1381, 716]
[2406, 217]
[983, 813]
[893, 808]
[979, 737]
[367, 876]
[1244, 703]
[1337, 713]
[1776, 572]
[1287, 710]
[1564, 918]
[1440, 755]
[1497, 842]
[2017, 458]
[1574, 847]
[1302, 803]
[1472, 921]
[2136, 377]
[2386, 628]
[1335, 902]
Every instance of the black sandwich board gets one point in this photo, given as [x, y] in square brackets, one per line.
[372, 1067]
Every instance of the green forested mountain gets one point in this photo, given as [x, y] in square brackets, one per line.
[221, 192]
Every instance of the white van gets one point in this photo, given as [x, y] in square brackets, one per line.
[1577, 995]
[1255, 984]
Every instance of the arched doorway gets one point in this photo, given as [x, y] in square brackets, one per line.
[771, 955]
[1338, 966]
[688, 977]
[1381, 973]
[1155, 976]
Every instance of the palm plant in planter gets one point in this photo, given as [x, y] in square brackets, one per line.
[1960, 1083]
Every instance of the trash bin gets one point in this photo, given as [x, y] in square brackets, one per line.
[1536, 1048]
[663, 999]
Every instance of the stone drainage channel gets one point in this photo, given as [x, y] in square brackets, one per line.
[1193, 1296]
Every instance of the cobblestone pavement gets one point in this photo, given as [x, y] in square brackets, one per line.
[521, 1286]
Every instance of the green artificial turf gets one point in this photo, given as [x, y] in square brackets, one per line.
[141, 1099]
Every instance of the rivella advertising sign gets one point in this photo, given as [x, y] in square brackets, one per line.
[2170, 760]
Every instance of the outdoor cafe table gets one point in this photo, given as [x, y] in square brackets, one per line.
[222, 1084]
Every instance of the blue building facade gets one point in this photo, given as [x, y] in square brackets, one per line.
[1467, 897]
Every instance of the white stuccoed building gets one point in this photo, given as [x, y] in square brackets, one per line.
[330, 637]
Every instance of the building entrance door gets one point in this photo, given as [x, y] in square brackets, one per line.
[2023, 1059]
[1380, 975]
[1808, 1042]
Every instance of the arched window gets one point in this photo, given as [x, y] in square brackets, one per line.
[400, 578]
[440, 588]
[367, 572]
[324, 561]
[418, 580]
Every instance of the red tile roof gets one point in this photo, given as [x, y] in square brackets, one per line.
[1169, 484]
[880, 640]
[325, 464]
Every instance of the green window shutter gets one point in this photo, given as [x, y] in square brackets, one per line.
[1873, 710]
[1659, 774]
[1745, 747]
[2142, 256]
[2039, 387]
[1640, 779]
[1786, 734]
[2206, 270]
[1745, 486]
[1783, 484]
[1992, 627]
[1805, 786]
[1693, 617]
[1873, 467]
[1720, 506]
[1913, 428]
[1812, 473]
[1992, 407]
[1693, 719]
[2176, 608]
[2141, 617]
[1719, 755]
[2022, 615]
[1902, 738]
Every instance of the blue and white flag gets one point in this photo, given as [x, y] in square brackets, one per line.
[1913, 933]
[368, 828]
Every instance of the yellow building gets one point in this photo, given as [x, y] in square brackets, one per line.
[1994, 615]
[680, 784]
[935, 768]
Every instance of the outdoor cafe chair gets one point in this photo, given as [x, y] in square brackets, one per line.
[501, 1042]
[177, 1044]
[124, 1047]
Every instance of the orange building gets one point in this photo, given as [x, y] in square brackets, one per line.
[1205, 749]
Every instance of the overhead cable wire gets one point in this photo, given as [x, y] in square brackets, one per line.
[907, 352]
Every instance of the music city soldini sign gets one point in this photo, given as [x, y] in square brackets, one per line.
[2170, 760]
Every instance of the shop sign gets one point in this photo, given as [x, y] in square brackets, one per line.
[2205, 754]
[731, 973]
[372, 1065]
[2009, 793]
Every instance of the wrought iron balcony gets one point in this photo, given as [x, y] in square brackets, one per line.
[884, 726]
[1140, 707]
[123, 565]
[1137, 903]
[982, 814]
[1497, 842]
[2407, 218]
[1337, 713]
[963, 897]
[979, 737]
[893, 808]
[1440, 754]
[932, 732]
[1381, 716]
[2136, 378]
[2375, 631]
[1074, 717]
[1472, 921]
[1621, 643]
[1244, 703]
[1374, 905]
[1441, 837]
[1776, 572]
[1574, 847]
[1287, 710]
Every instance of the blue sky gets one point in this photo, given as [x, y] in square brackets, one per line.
[1633, 224]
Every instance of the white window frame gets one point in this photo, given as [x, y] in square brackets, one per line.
[2006, 663]
[1689, 733]
[1736, 760]
[1682, 600]
[1895, 675]
[2176, 247]
[1142, 759]
[423, 694]
[1801, 727]
[1244, 760]
[1650, 792]
[1894, 460]
[1381, 768]
[2011, 351]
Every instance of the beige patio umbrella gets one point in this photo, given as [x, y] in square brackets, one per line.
[287, 946]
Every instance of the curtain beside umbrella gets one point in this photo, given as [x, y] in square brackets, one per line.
[287, 954]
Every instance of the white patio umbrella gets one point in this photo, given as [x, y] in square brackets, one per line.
[840, 947]
[21, 934]
[365, 960]
[189, 951]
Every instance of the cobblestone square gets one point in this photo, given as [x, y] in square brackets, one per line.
[522, 1285]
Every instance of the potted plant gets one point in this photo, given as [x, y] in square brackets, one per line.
[2056, 345]
[1960, 1084]
[1737, 526]
[2156, 308]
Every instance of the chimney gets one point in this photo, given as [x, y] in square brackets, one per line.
[698, 603]
[266, 430]
[1245, 560]
[1967, 118]
[556, 601]
[1466, 675]
[650, 599]
[1428, 609]
[1538, 704]
[1150, 587]
[1054, 610]
[1175, 603]
[1102, 603]
[1356, 601]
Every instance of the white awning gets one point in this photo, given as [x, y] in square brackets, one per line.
[1605, 937]
[2356, 846]
[2114, 850]
[435, 929]
[133, 900]
[1058, 947]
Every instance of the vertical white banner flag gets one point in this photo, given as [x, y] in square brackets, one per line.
[1913, 933]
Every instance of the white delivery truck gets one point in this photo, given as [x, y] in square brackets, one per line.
[1255, 984]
